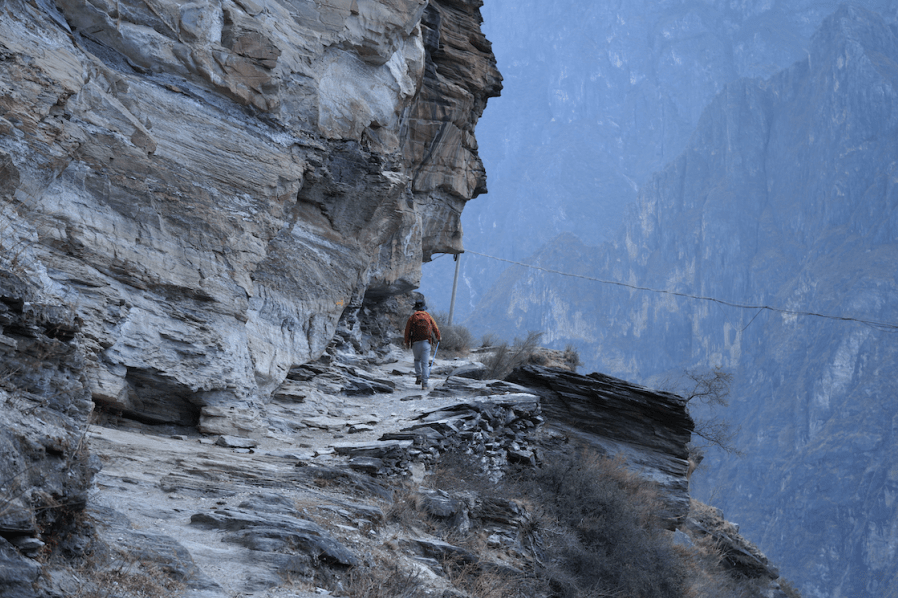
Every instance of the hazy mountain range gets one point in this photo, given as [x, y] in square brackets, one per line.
[776, 190]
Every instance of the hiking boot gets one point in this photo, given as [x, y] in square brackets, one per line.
[418, 380]
[424, 386]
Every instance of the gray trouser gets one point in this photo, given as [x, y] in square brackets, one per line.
[421, 351]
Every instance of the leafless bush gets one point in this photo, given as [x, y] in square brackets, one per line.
[384, 580]
[592, 528]
[488, 340]
[572, 357]
[455, 340]
[479, 582]
[601, 535]
[504, 359]
[711, 389]
[403, 509]
[125, 576]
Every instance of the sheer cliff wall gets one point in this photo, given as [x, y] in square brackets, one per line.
[211, 185]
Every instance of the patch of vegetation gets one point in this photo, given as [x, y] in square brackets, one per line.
[600, 531]
[384, 579]
[126, 576]
[591, 528]
[571, 357]
[455, 340]
[504, 359]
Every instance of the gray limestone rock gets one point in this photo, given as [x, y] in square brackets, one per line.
[236, 442]
[209, 186]
[17, 573]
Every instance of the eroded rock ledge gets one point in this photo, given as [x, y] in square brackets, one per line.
[650, 428]
[211, 185]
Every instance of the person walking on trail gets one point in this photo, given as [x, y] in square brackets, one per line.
[419, 331]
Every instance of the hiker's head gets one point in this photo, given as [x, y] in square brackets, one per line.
[420, 305]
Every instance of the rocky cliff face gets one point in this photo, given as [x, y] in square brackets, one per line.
[785, 196]
[194, 198]
[45, 467]
[211, 185]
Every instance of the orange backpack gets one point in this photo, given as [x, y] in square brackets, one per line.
[421, 329]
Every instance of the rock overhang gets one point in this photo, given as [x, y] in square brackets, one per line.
[213, 185]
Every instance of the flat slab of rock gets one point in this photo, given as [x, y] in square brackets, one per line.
[236, 442]
[324, 423]
[275, 532]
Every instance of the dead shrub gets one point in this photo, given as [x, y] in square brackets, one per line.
[458, 472]
[504, 359]
[706, 576]
[488, 340]
[599, 528]
[403, 509]
[125, 576]
[455, 340]
[478, 581]
[571, 357]
[383, 580]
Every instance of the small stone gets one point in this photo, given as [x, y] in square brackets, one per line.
[360, 428]
[27, 544]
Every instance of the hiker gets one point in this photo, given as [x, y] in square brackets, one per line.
[419, 330]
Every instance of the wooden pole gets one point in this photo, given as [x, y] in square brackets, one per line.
[454, 287]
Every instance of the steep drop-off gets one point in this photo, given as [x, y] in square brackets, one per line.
[786, 196]
[206, 209]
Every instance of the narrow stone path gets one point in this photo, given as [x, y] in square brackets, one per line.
[206, 511]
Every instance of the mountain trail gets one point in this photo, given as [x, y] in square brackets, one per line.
[228, 520]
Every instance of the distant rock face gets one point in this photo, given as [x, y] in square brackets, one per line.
[786, 196]
[599, 96]
[211, 185]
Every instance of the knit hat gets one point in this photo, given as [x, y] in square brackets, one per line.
[419, 304]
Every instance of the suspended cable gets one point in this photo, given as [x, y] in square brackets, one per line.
[886, 326]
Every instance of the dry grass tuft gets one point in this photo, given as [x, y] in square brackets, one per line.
[482, 582]
[455, 340]
[126, 577]
[504, 359]
[383, 580]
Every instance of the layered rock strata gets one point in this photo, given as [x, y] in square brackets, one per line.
[45, 468]
[211, 185]
[651, 429]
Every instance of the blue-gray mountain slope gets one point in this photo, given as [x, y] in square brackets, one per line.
[786, 195]
[597, 96]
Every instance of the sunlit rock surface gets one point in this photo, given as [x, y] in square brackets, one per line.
[211, 185]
